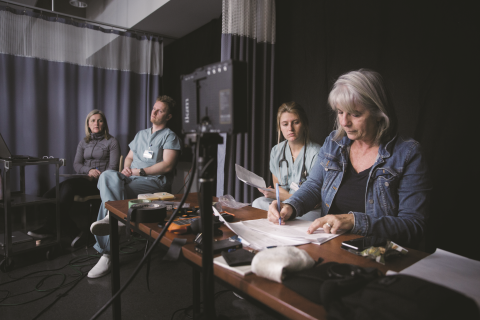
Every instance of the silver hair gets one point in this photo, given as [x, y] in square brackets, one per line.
[364, 87]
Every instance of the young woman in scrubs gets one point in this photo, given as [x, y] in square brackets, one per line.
[292, 158]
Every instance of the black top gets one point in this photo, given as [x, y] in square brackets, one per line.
[351, 193]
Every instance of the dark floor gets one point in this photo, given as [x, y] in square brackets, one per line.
[28, 291]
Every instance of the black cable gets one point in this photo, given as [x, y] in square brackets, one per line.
[185, 182]
[165, 228]
[73, 263]
[78, 276]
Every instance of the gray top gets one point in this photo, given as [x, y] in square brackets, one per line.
[157, 142]
[99, 154]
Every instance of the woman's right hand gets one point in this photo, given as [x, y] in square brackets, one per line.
[274, 215]
[94, 173]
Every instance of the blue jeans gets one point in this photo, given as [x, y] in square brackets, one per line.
[115, 186]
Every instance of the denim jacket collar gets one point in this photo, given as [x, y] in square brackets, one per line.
[384, 150]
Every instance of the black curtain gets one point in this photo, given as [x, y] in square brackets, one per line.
[424, 50]
[251, 150]
[197, 49]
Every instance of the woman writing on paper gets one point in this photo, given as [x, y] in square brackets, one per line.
[97, 152]
[292, 158]
[369, 180]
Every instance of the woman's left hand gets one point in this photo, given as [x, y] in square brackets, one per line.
[269, 193]
[332, 223]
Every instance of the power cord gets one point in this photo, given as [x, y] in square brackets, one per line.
[184, 181]
[76, 264]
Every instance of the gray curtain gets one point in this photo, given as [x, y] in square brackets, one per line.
[54, 71]
[248, 34]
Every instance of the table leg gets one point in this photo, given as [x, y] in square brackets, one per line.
[115, 255]
[196, 292]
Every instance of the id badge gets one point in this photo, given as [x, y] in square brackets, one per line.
[294, 186]
[148, 154]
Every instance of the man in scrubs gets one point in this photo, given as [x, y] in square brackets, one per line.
[148, 169]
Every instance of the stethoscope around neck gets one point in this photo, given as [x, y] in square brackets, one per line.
[303, 173]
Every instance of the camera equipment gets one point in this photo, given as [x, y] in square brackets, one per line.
[214, 98]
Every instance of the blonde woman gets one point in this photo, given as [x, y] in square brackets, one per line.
[97, 152]
[292, 158]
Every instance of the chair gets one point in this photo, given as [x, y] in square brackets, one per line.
[91, 201]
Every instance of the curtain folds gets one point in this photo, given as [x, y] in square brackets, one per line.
[54, 71]
[248, 34]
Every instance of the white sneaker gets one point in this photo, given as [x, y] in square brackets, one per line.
[102, 227]
[103, 267]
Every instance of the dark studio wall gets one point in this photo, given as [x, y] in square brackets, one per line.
[197, 49]
[424, 52]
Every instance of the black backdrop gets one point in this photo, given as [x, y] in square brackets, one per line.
[426, 55]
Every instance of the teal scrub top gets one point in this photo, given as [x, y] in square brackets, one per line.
[286, 177]
[157, 142]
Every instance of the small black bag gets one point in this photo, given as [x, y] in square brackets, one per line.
[394, 298]
[308, 282]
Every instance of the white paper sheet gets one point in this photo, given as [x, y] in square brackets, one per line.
[296, 229]
[449, 270]
[250, 178]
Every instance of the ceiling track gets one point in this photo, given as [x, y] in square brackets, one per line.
[86, 20]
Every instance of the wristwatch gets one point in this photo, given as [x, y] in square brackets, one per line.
[143, 173]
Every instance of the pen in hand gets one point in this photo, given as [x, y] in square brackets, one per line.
[278, 204]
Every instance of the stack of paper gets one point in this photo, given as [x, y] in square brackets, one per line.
[260, 234]
[449, 270]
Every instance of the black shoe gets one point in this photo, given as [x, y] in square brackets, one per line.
[80, 239]
[41, 233]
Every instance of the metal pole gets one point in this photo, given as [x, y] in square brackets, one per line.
[89, 21]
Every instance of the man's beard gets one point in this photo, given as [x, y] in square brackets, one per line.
[155, 121]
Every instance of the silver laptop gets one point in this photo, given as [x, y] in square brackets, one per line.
[17, 237]
[6, 154]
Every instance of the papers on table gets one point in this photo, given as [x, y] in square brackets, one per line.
[294, 230]
[449, 270]
[260, 234]
[250, 178]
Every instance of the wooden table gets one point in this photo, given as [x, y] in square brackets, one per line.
[271, 294]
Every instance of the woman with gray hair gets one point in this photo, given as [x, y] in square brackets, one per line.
[97, 152]
[369, 180]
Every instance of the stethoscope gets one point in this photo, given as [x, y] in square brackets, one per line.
[303, 174]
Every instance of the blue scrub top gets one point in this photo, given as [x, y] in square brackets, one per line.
[294, 168]
[157, 142]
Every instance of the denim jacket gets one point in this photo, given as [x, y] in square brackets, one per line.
[397, 193]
